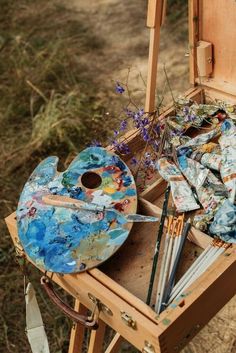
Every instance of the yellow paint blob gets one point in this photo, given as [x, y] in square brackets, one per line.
[109, 190]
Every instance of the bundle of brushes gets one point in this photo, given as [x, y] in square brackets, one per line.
[173, 246]
[203, 262]
[177, 232]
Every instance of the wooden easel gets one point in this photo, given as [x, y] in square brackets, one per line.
[155, 19]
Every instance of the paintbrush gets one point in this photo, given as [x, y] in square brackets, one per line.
[158, 243]
[173, 270]
[175, 227]
[67, 202]
[208, 256]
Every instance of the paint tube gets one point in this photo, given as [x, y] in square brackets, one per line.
[205, 184]
[209, 160]
[228, 147]
[224, 223]
[202, 139]
[181, 192]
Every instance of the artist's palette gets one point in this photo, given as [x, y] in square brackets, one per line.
[67, 240]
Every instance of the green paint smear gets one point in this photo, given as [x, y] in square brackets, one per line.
[184, 295]
[166, 322]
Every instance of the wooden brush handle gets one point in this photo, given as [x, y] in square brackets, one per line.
[62, 201]
[67, 310]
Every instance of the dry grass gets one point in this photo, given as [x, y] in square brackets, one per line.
[47, 102]
[44, 87]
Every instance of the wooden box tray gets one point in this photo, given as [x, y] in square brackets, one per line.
[121, 283]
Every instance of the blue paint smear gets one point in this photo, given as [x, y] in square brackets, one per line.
[183, 162]
[127, 181]
[52, 235]
[130, 192]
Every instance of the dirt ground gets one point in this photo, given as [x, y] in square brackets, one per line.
[120, 26]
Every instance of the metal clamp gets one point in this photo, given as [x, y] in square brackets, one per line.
[101, 306]
[148, 348]
[128, 320]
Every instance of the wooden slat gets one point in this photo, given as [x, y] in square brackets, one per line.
[193, 39]
[163, 13]
[115, 344]
[154, 44]
[222, 87]
[212, 93]
[151, 13]
[154, 191]
[217, 26]
[97, 338]
[77, 331]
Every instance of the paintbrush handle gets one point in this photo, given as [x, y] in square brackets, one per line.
[202, 269]
[195, 270]
[158, 243]
[196, 262]
[67, 202]
[165, 276]
[174, 269]
[162, 269]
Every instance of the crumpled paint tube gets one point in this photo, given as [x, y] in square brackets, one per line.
[34, 324]
[224, 223]
[202, 139]
[209, 160]
[228, 147]
[205, 184]
[181, 192]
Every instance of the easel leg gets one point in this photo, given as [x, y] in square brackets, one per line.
[97, 338]
[77, 331]
[115, 344]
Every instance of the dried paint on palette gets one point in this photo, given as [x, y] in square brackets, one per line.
[66, 240]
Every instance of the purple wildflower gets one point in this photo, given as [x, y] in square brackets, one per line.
[129, 113]
[121, 147]
[186, 110]
[148, 162]
[123, 125]
[134, 161]
[145, 122]
[157, 129]
[138, 115]
[145, 134]
[119, 89]
[138, 121]
[116, 133]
